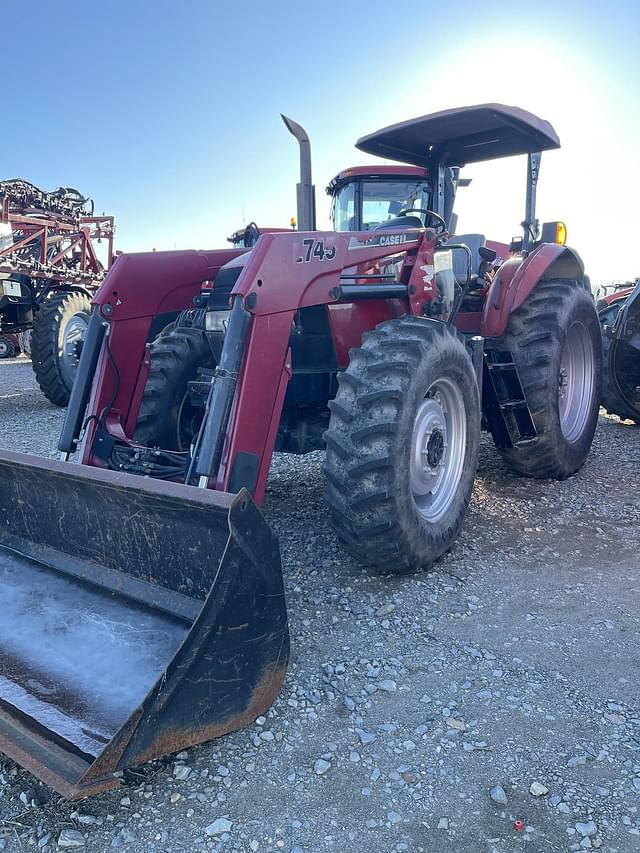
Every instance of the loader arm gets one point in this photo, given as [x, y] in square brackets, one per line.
[283, 276]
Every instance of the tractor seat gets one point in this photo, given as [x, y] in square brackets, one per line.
[475, 242]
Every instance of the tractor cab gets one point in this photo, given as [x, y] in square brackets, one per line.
[366, 197]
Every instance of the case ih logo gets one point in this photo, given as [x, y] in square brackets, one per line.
[384, 240]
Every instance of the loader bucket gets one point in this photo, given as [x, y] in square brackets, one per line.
[137, 617]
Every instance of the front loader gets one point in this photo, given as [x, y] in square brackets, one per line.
[389, 348]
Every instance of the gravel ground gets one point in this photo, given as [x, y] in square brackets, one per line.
[426, 713]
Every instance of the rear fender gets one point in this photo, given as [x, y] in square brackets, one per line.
[517, 277]
[63, 287]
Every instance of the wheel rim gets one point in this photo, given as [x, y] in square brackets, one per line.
[438, 447]
[73, 338]
[576, 380]
[4, 349]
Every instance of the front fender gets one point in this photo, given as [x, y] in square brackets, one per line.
[517, 277]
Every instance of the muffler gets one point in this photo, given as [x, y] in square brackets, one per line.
[138, 617]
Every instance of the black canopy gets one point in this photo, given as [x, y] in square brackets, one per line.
[463, 135]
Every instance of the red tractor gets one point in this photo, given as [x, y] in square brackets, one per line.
[149, 565]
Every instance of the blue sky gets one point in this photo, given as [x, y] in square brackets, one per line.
[168, 113]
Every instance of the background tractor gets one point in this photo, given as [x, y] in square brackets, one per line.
[619, 313]
[10, 346]
[49, 272]
[389, 347]
[618, 358]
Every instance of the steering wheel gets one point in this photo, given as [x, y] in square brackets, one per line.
[441, 222]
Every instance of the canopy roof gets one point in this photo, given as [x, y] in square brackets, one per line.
[462, 135]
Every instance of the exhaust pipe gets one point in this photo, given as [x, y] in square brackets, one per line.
[305, 191]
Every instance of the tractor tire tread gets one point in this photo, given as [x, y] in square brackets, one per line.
[175, 356]
[45, 355]
[534, 339]
[360, 466]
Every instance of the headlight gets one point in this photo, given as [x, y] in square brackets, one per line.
[216, 321]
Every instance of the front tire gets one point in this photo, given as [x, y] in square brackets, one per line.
[555, 342]
[58, 333]
[167, 418]
[402, 445]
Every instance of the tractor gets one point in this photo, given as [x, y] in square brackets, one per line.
[148, 567]
[49, 272]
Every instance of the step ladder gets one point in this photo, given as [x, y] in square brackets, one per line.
[503, 401]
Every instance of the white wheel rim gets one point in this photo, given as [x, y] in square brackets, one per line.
[438, 446]
[73, 338]
[576, 381]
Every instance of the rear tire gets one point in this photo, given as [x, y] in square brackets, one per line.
[555, 342]
[402, 445]
[56, 343]
[7, 347]
[166, 418]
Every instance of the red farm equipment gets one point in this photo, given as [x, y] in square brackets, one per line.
[49, 272]
[10, 346]
[144, 587]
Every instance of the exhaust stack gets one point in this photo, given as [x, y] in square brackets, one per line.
[305, 191]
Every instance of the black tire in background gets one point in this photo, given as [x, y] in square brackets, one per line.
[55, 353]
[167, 418]
[7, 347]
[612, 400]
[402, 445]
[555, 342]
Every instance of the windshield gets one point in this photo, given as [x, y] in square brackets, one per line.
[379, 201]
[383, 200]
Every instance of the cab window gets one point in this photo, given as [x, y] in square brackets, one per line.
[384, 200]
[344, 210]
